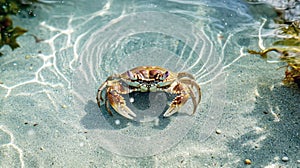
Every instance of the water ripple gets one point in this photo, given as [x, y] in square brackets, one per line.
[87, 48]
[157, 39]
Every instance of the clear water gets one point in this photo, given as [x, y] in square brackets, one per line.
[50, 118]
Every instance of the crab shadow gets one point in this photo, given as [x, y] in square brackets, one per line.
[278, 113]
[100, 118]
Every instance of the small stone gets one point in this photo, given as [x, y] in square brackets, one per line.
[247, 161]
[64, 106]
[298, 161]
[218, 131]
[27, 56]
[285, 159]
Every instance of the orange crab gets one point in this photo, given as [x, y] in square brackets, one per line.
[148, 79]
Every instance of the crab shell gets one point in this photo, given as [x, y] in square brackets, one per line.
[148, 79]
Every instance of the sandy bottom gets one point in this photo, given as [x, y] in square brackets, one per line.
[49, 116]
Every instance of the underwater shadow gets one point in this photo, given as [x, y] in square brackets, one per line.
[278, 113]
[99, 118]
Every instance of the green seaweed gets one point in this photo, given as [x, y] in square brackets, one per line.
[9, 33]
[288, 48]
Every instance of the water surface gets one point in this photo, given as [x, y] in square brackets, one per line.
[50, 118]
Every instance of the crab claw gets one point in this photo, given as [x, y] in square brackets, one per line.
[183, 88]
[176, 104]
[179, 100]
[118, 103]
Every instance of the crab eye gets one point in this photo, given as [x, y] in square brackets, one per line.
[131, 75]
[165, 75]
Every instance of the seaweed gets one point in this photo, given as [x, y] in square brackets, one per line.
[9, 33]
[288, 48]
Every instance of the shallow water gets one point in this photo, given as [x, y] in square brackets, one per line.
[49, 114]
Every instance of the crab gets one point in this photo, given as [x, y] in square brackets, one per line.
[148, 79]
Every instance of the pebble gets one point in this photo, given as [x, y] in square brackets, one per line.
[27, 56]
[218, 131]
[285, 159]
[247, 161]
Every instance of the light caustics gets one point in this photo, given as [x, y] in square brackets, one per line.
[4, 132]
[41, 79]
[149, 38]
[89, 54]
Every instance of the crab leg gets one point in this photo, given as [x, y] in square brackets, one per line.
[193, 83]
[100, 98]
[104, 85]
[193, 99]
[118, 103]
[108, 107]
[99, 95]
